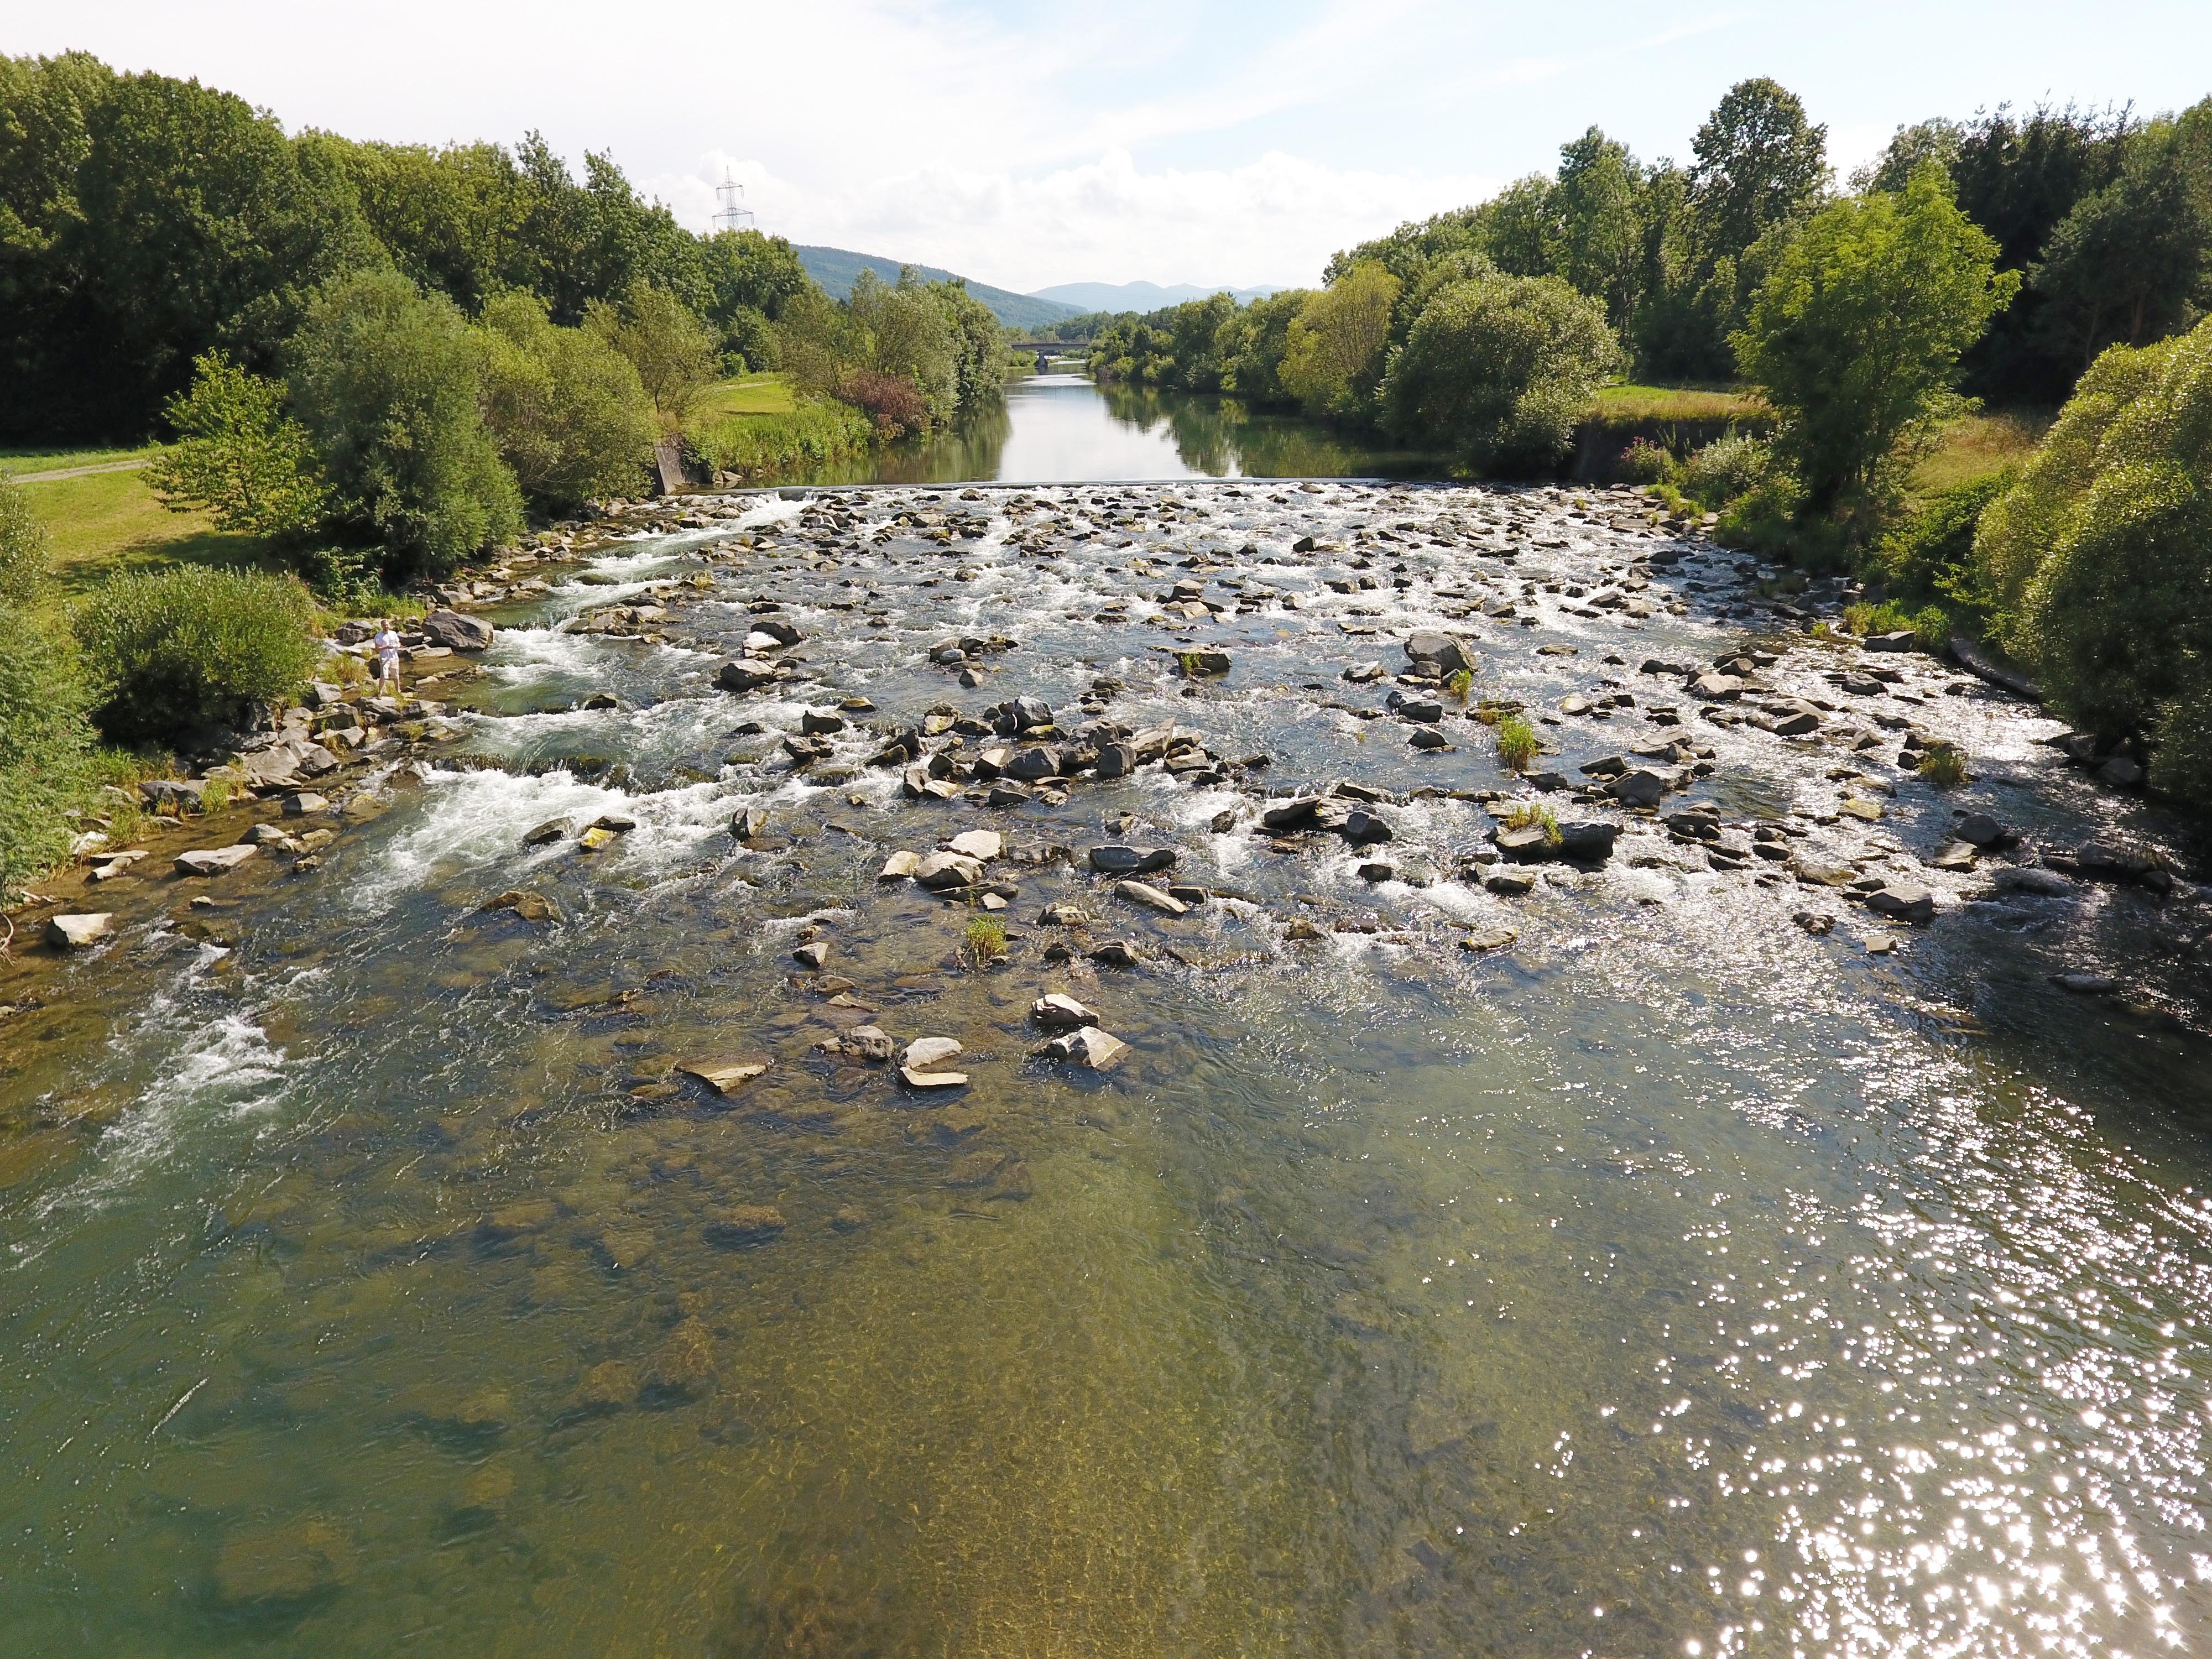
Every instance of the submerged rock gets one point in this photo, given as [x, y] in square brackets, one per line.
[529, 906]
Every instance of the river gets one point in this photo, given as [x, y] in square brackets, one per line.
[1060, 426]
[1626, 1267]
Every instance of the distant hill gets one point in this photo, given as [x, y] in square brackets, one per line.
[1139, 296]
[835, 268]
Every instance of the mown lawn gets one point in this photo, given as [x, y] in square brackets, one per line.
[111, 522]
[750, 394]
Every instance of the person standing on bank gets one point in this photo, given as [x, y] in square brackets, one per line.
[387, 657]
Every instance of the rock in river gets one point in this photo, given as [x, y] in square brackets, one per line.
[458, 633]
[1128, 861]
[1914, 904]
[76, 933]
[530, 906]
[1058, 1008]
[1088, 1046]
[942, 870]
[725, 1077]
[923, 1053]
[1440, 652]
[214, 860]
[738, 1225]
[1138, 892]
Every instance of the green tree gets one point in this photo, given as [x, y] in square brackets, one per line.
[1855, 335]
[2100, 556]
[1601, 226]
[388, 383]
[671, 348]
[1256, 343]
[2130, 263]
[1498, 369]
[1759, 162]
[1333, 358]
[239, 455]
[567, 410]
[751, 277]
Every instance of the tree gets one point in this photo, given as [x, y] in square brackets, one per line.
[389, 384]
[664, 339]
[2100, 556]
[2128, 263]
[1759, 162]
[1256, 341]
[1498, 369]
[750, 278]
[1333, 357]
[571, 418]
[239, 455]
[1602, 228]
[1855, 335]
[1937, 140]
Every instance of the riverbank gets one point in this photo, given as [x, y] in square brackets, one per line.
[535, 1133]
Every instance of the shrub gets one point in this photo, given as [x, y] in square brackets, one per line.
[1943, 764]
[1517, 743]
[895, 405]
[750, 444]
[2100, 558]
[1931, 552]
[1726, 469]
[389, 384]
[1524, 813]
[239, 455]
[1645, 463]
[1333, 358]
[1498, 369]
[1458, 684]
[44, 742]
[180, 650]
[982, 941]
[567, 410]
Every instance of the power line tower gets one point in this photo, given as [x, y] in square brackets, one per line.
[733, 214]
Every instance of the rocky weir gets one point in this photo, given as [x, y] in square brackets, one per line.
[1008, 1070]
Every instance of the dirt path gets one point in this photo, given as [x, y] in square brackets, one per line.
[60, 472]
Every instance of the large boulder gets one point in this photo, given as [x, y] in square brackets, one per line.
[942, 870]
[451, 628]
[76, 933]
[1440, 652]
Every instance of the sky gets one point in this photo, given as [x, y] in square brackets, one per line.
[1023, 143]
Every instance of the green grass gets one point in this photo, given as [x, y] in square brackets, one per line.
[13, 461]
[1975, 445]
[112, 522]
[1678, 403]
[749, 394]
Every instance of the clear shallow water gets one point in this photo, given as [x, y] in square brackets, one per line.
[1673, 1278]
[1063, 427]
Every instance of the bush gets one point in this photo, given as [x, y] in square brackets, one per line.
[2107, 543]
[1726, 469]
[1499, 369]
[894, 405]
[44, 742]
[239, 455]
[1645, 463]
[569, 413]
[390, 385]
[1931, 552]
[1332, 349]
[1943, 764]
[178, 651]
[751, 445]
[1517, 743]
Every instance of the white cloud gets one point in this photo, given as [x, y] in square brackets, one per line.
[1275, 221]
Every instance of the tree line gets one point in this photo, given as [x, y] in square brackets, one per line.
[401, 349]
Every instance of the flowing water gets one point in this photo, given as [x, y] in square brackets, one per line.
[1675, 1281]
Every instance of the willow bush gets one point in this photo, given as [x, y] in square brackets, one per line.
[181, 650]
[2098, 559]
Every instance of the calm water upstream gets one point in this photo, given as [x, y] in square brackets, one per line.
[1674, 1281]
[1062, 427]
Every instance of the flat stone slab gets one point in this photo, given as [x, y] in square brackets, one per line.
[923, 1053]
[214, 860]
[1138, 892]
[725, 1077]
[917, 1078]
[1089, 1048]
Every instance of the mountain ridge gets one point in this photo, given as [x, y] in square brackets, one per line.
[1141, 296]
[836, 268]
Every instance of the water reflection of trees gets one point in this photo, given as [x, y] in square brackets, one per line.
[1222, 435]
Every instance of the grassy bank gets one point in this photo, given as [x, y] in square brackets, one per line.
[1976, 446]
[754, 426]
[1631, 404]
[106, 524]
